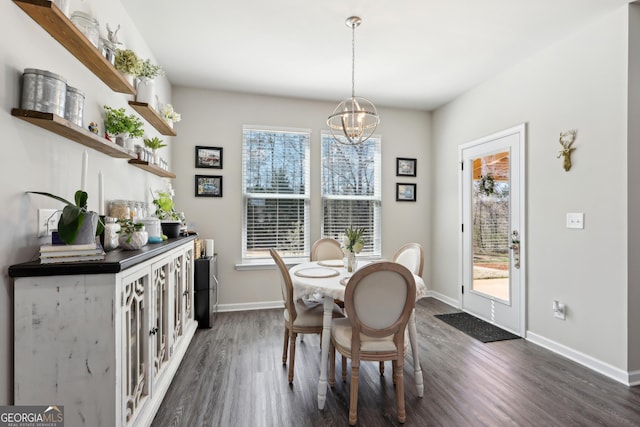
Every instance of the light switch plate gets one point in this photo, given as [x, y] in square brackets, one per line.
[575, 220]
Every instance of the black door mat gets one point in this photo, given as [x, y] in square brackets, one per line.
[476, 328]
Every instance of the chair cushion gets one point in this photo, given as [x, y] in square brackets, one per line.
[341, 333]
[310, 313]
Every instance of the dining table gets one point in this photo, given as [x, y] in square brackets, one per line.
[328, 279]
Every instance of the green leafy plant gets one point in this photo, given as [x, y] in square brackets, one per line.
[128, 62]
[165, 209]
[154, 143]
[128, 227]
[149, 70]
[116, 121]
[73, 215]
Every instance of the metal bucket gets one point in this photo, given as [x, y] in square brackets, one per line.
[43, 91]
[74, 105]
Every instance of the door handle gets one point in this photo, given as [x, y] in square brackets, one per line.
[515, 247]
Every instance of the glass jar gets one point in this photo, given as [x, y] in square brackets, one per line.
[119, 209]
[87, 25]
[111, 236]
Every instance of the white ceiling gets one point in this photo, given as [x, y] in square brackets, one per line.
[409, 53]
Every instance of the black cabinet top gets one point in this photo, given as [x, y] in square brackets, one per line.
[115, 261]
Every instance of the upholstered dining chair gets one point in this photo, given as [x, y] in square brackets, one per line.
[379, 299]
[300, 316]
[411, 255]
[325, 249]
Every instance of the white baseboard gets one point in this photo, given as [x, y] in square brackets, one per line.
[445, 299]
[624, 377]
[250, 306]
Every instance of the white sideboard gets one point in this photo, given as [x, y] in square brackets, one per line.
[103, 339]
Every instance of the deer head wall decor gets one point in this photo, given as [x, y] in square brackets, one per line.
[566, 140]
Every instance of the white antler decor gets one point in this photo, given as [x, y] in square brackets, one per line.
[566, 140]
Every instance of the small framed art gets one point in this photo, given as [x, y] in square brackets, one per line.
[405, 192]
[208, 157]
[405, 167]
[208, 186]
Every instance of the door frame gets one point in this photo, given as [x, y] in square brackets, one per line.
[521, 130]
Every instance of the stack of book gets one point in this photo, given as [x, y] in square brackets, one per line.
[51, 254]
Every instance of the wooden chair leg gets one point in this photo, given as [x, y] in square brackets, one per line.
[353, 396]
[292, 354]
[393, 375]
[332, 365]
[381, 368]
[286, 345]
[399, 380]
[344, 369]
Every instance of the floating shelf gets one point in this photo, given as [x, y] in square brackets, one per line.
[65, 128]
[152, 116]
[62, 29]
[152, 168]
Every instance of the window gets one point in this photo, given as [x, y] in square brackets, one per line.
[351, 177]
[276, 192]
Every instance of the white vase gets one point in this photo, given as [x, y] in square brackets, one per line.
[156, 157]
[146, 90]
[352, 262]
[134, 241]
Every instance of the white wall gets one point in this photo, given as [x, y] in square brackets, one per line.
[580, 83]
[35, 159]
[215, 118]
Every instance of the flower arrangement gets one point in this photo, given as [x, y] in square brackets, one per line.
[128, 62]
[149, 70]
[353, 241]
[169, 114]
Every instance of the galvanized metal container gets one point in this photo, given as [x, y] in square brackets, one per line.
[43, 91]
[74, 105]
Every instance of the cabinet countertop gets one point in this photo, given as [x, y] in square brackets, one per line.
[115, 261]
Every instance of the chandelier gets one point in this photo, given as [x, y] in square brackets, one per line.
[355, 119]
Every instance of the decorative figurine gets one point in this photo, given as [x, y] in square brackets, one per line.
[93, 128]
[566, 140]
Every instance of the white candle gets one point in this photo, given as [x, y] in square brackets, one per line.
[83, 177]
[100, 193]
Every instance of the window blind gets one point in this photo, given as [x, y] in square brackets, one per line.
[351, 190]
[276, 192]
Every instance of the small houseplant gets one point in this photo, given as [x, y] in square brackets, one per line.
[127, 62]
[77, 225]
[117, 123]
[146, 88]
[154, 144]
[133, 235]
[166, 212]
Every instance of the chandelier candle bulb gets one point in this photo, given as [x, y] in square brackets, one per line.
[83, 176]
[100, 194]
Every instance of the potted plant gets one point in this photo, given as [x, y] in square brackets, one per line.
[128, 63]
[154, 144]
[133, 235]
[146, 88]
[77, 225]
[165, 211]
[117, 123]
[169, 115]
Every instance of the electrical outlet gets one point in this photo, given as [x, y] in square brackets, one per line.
[47, 221]
[559, 310]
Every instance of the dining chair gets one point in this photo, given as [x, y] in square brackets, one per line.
[411, 255]
[325, 249]
[300, 316]
[379, 299]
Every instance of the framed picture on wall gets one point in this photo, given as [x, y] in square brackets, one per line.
[405, 166]
[208, 186]
[405, 192]
[208, 157]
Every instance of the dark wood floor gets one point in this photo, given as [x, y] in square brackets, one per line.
[232, 375]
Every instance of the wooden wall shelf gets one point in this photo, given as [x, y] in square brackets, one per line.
[49, 17]
[152, 168]
[65, 128]
[153, 117]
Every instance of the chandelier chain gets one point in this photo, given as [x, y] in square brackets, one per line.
[353, 61]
